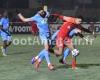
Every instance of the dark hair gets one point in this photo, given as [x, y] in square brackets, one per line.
[43, 14]
[80, 16]
[39, 8]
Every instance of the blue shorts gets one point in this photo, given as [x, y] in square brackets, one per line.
[5, 36]
[44, 37]
[73, 32]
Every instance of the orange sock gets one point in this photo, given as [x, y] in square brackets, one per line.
[73, 63]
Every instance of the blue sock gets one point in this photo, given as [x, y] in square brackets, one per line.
[41, 58]
[47, 57]
[41, 55]
[66, 53]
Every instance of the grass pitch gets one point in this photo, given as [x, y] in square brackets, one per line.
[17, 65]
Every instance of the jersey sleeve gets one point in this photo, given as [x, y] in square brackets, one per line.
[65, 18]
[34, 18]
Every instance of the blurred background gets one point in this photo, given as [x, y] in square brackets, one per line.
[17, 65]
[89, 9]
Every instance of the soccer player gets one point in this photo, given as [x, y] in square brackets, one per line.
[76, 31]
[63, 34]
[53, 38]
[38, 58]
[4, 33]
[71, 33]
[44, 33]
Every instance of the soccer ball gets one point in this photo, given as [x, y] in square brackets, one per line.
[75, 52]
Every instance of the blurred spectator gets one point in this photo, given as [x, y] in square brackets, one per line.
[34, 28]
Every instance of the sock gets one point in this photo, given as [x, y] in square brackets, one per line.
[40, 54]
[41, 58]
[66, 53]
[73, 63]
[47, 57]
[3, 50]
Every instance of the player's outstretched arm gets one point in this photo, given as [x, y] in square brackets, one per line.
[65, 18]
[80, 27]
[80, 35]
[23, 18]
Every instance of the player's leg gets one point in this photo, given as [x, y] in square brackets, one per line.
[34, 59]
[45, 52]
[41, 53]
[4, 46]
[75, 52]
[9, 40]
[65, 55]
[73, 32]
[39, 61]
[60, 46]
[67, 51]
[46, 55]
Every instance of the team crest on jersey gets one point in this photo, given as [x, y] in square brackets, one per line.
[44, 20]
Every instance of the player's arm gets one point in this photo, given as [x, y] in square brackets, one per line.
[84, 29]
[65, 18]
[80, 35]
[23, 18]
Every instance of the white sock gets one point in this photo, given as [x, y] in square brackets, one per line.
[4, 50]
[36, 57]
[49, 64]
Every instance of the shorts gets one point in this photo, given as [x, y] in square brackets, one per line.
[5, 36]
[45, 38]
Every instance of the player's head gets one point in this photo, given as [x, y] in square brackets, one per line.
[41, 12]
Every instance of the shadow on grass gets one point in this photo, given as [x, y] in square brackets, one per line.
[84, 66]
[21, 52]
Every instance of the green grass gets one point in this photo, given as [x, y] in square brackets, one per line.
[17, 65]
